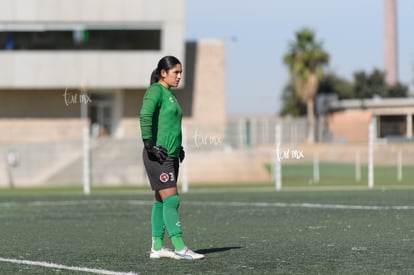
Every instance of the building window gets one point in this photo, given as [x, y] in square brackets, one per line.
[392, 126]
[87, 39]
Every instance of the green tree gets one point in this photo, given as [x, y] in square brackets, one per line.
[305, 60]
[333, 84]
[291, 103]
[370, 85]
[397, 90]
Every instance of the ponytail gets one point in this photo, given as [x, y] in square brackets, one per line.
[155, 76]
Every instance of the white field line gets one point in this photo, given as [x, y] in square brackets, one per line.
[305, 205]
[59, 266]
[215, 203]
[70, 202]
[284, 205]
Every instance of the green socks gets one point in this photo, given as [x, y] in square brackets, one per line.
[166, 213]
[157, 222]
[172, 221]
[178, 242]
[156, 243]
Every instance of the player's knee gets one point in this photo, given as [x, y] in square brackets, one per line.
[172, 201]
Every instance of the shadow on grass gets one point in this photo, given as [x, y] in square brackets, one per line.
[216, 250]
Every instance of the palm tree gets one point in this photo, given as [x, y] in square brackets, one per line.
[305, 60]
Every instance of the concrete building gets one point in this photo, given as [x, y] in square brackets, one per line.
[348, 120]
[57, 56]
[51, 50]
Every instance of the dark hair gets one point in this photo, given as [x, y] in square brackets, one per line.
[166, 63]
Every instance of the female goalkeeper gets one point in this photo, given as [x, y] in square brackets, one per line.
[160, 120]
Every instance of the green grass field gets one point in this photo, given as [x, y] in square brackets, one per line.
[340, 174]
[249, 231]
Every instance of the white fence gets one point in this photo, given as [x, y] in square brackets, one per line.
[245, 150]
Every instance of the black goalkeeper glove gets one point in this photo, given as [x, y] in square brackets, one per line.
[159, 152]
[182, 154]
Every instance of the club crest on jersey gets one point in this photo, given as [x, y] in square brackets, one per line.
[164, 177]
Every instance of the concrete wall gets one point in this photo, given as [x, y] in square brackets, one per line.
[349, 125]
[32, 130]
[92, 69]
[209, 83]
[33, 116]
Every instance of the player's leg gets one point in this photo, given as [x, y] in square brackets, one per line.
[158, 229]
[163, 180]
[153, 168]
[171, 202]
[157, 223]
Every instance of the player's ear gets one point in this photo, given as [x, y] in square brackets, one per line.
[164, 73]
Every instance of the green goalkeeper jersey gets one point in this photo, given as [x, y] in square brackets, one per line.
[160, 119]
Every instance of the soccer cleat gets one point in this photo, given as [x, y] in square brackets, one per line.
[163, 253]
[188, 254]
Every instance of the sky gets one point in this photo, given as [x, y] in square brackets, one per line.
[257, 35]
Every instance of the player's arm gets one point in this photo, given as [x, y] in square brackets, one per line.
[151, 103]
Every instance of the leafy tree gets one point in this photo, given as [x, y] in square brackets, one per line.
[333, 84]
[370, 85]
[397, 90]
[292, 104]
[305, 60]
